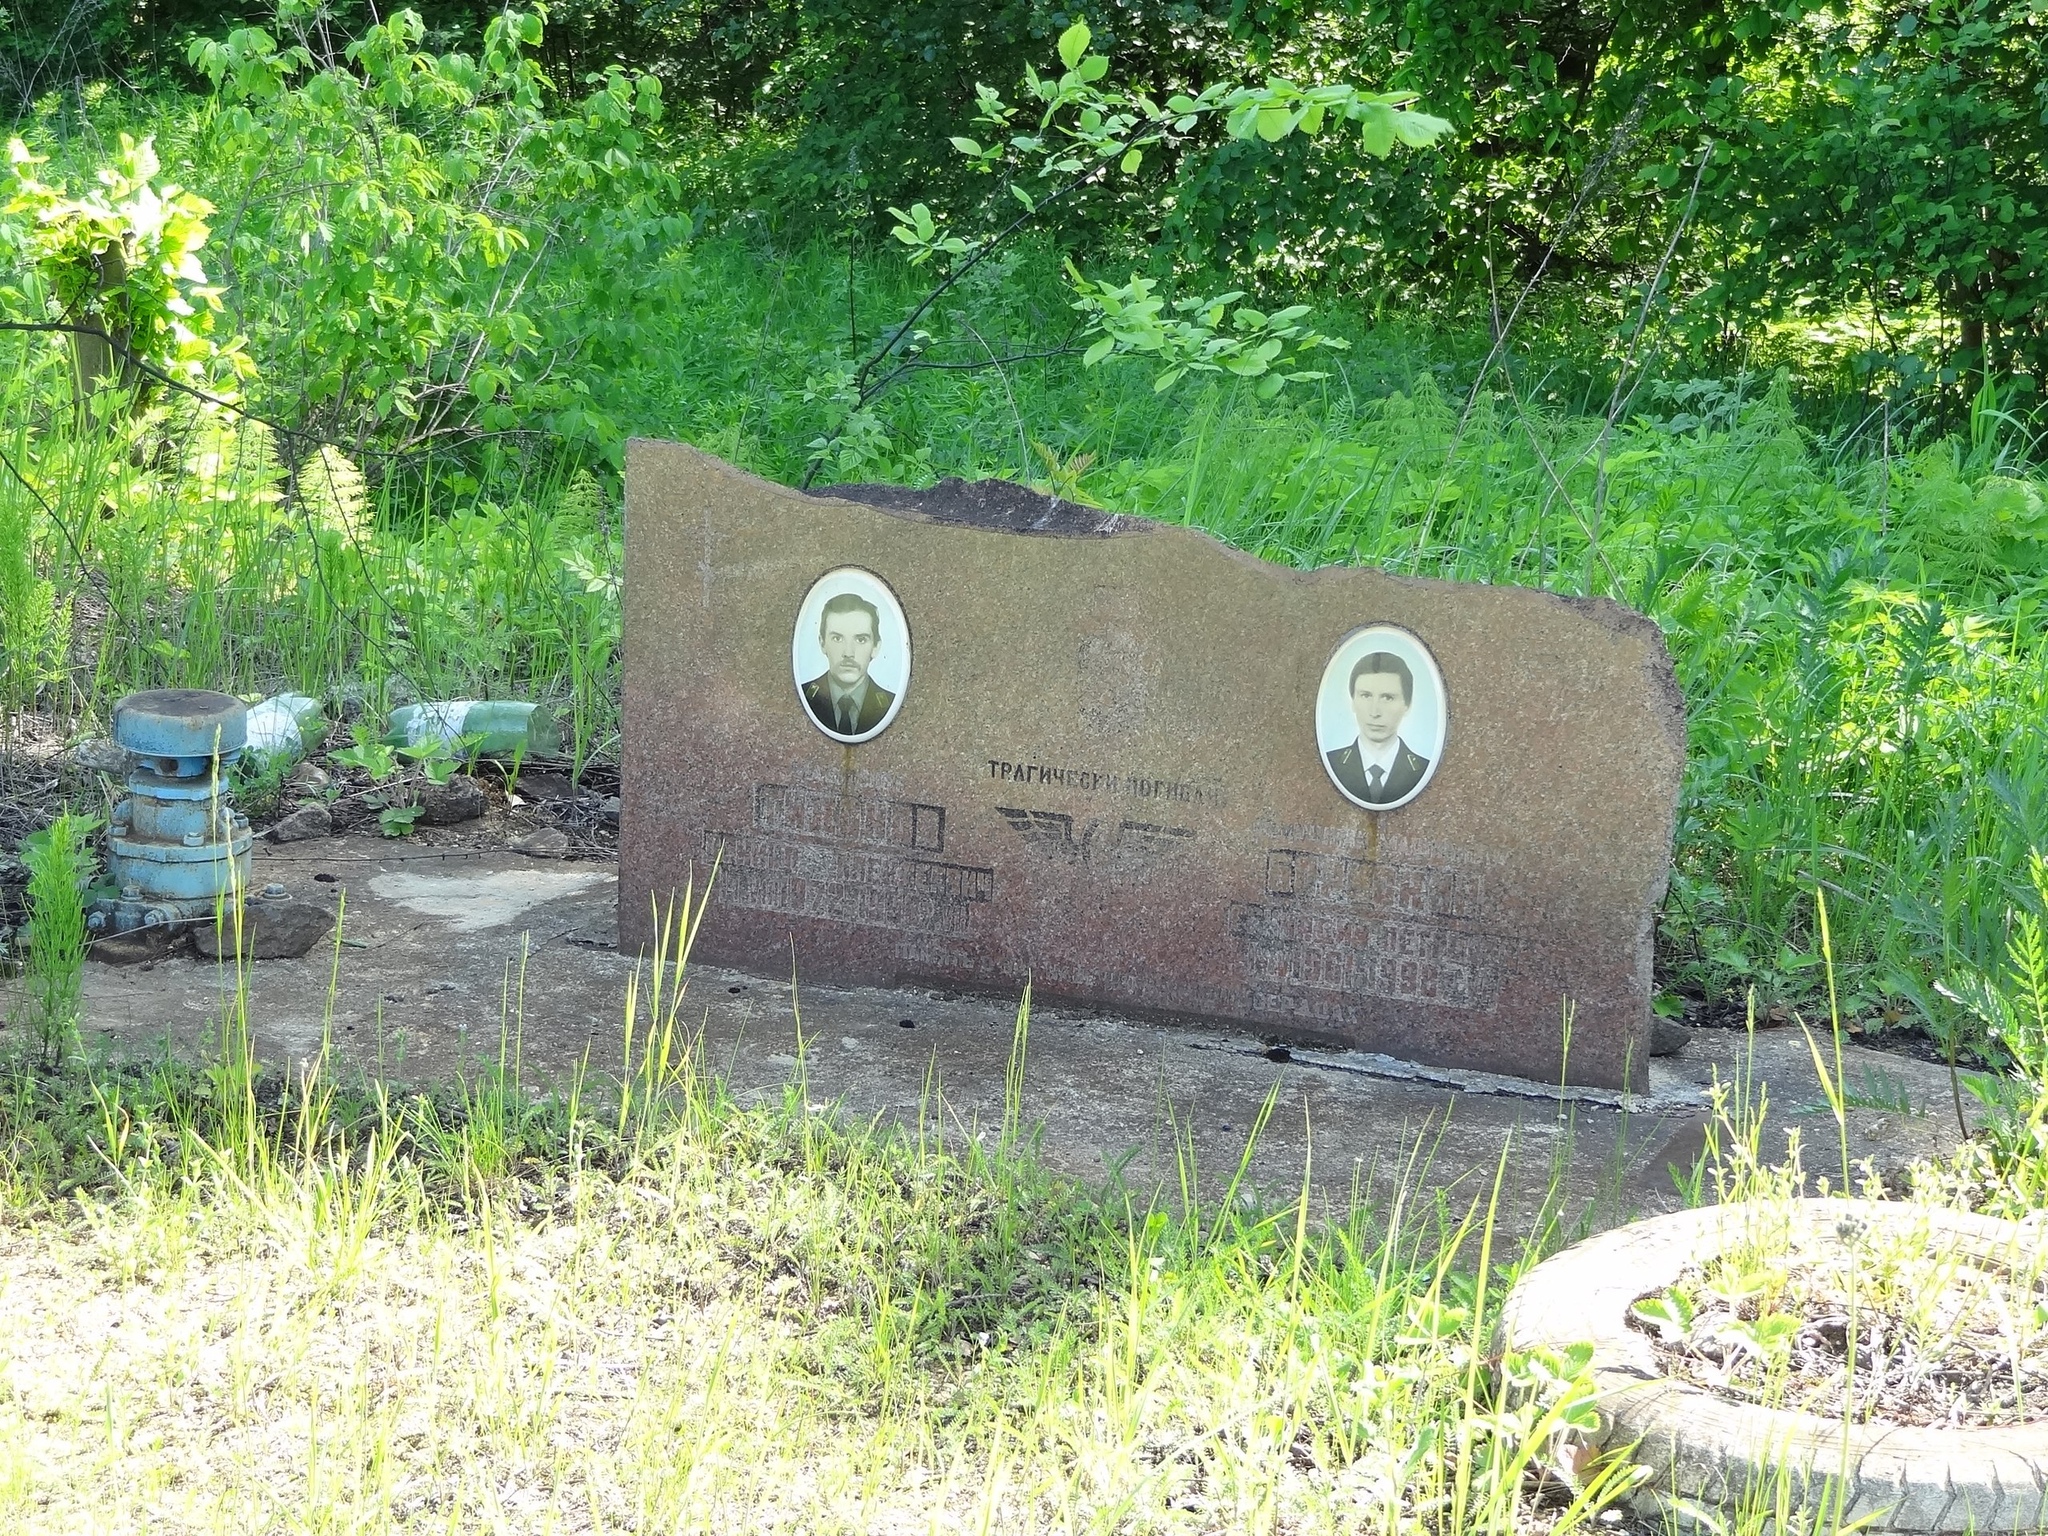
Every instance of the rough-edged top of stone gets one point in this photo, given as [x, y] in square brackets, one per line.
[1002, 505]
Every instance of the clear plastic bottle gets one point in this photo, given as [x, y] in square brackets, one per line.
[290, 723]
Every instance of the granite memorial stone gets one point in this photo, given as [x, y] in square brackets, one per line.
[1142, 770]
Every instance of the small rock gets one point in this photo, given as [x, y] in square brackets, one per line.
[460, 799]
[1667, 1036]
[547, 843]
[101, 755]
[306, 821]
[609, 808]
[273, 928]
[309, 776]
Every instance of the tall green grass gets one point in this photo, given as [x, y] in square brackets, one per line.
[1856, 621]
[188, 546]
[59, 868]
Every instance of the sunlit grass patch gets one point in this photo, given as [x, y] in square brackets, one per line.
[239, 1302]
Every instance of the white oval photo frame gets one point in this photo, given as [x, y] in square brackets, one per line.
[1423, 730]
[890, 668]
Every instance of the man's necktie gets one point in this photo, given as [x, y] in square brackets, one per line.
[845, 716]
[1379, 775]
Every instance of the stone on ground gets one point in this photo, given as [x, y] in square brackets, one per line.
[307, 821]
[445, 805]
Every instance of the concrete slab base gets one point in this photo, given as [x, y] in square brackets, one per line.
[447, 954]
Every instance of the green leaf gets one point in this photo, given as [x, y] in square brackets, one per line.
[1093, 68]
[1274, 123]
[1376, 130]
[966, 146]
[1098, 352]
[1131, 159]
[397, 820]
[1023, 197]
[1418, 130]
[1074, 42]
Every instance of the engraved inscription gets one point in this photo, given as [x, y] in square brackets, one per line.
[768, 873]
[1288, 947]
[863, 820]
[848, 858]
[1091, 781]
[1052, 830]
[962, 882]
[1386, 886]
[937, 953]
[1154, 837]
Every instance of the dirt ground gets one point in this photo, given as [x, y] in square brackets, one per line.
[451, 954]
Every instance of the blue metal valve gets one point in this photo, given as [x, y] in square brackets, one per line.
[176, 847]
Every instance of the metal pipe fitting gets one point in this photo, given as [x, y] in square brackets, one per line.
[174, 845]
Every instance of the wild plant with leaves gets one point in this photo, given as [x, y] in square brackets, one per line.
[1078, 131]
[60, 865]
[116, 271]
[400, 225]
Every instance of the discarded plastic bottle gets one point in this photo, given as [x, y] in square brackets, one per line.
[504, 725]
[290, 723]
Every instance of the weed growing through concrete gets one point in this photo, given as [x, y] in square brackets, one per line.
[59, 867]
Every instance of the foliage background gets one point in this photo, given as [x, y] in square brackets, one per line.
[1724, 312]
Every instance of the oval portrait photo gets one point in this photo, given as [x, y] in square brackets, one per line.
[850, 654]
[1381, 717]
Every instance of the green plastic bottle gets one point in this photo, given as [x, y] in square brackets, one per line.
[505, 726]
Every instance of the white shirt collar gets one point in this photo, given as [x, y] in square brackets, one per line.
[1384, 757]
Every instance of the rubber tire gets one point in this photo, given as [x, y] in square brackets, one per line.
[1713, 1451]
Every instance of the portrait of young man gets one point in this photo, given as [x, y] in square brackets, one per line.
[1379, 767]
[844, 698]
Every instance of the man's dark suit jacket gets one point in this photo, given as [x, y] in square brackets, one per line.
[818, 699]
[1349, 770]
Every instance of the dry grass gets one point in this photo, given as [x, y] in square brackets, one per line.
[1880, 1328]
[580, 1357]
